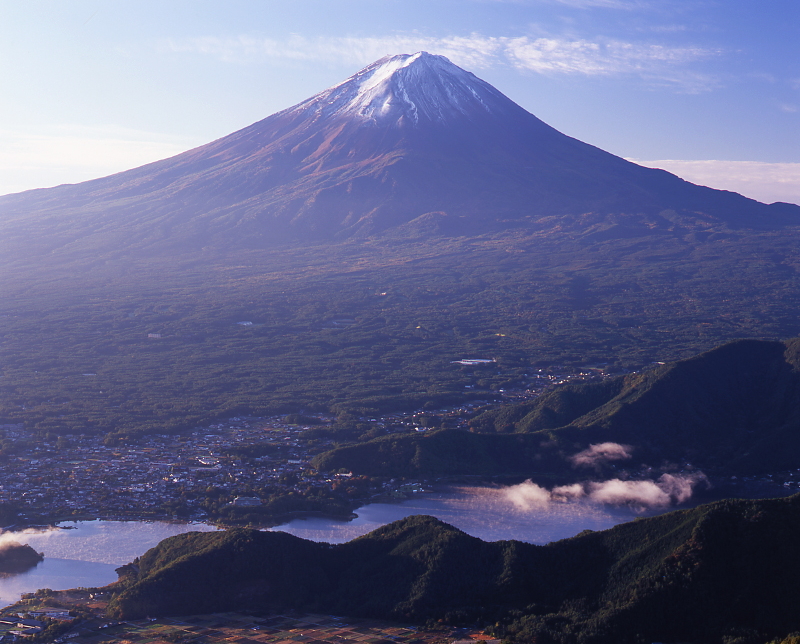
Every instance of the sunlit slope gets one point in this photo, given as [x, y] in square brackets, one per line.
[407, 137]
[692, 575]
[734, 409]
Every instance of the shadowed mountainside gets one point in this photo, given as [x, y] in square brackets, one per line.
[723, 569]
[734, 409]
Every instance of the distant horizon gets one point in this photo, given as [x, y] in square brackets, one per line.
[704, 91]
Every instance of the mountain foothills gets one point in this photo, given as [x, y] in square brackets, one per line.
[340, 255]
[724, 572]
[732, 410]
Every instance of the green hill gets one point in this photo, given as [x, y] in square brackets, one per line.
[17, 558]
[735, 408]
[725, 571]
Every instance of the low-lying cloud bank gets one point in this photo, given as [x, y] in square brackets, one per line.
[14, 538]
[667, 490]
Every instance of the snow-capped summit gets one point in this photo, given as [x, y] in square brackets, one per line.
[405, 89]
[411, 145]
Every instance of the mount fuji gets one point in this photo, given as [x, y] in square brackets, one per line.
[410, 143]
[348, 252]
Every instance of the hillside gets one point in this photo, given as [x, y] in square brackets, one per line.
[724, 570]
[734, 409]
[16, 558]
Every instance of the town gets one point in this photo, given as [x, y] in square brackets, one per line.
[245, 471]
[252, 470]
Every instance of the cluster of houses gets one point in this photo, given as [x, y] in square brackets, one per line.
[158, 474]
[90, 478]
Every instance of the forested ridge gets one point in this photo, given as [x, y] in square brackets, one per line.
[720, 572]
[734, 409]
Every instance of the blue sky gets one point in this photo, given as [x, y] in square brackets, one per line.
[707, 89]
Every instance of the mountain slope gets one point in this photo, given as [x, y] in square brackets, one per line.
[734, 409]
[414, 199]
[723, 569]
[405, 137]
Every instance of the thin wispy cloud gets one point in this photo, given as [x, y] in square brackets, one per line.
[602, 58]
[657, 63]
[475, 50]
[666, 29]
[625, 5]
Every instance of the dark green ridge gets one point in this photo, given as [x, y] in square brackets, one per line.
[17, 558]
[734, 409]
[697, 575]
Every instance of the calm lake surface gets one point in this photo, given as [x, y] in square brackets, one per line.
[488, 513]
[88, 554]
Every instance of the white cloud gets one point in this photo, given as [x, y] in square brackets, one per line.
[529, 495]
[607, 57]
[767, 182]
[667, 490]
[600, 453]
[657, 63]
[70, 154]
[639, 493]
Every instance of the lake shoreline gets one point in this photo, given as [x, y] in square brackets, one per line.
[485, 511]
[717, 489]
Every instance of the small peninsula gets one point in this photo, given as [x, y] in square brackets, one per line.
[16, 558]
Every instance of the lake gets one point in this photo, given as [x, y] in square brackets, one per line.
[488, 513]
[88, 553]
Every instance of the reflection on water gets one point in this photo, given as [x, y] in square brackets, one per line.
[87, 554]
[487, 513]
[109, 542]
[56, 574]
